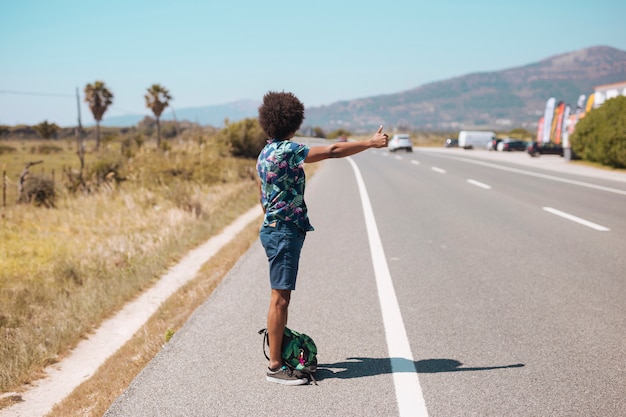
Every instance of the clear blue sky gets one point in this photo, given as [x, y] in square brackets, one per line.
[213, 52]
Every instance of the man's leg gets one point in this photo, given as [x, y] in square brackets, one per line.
[276, 322]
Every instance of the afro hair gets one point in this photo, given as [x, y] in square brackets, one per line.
[281, 114]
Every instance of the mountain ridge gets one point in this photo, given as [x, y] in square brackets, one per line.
[507, 98]
[513, 97]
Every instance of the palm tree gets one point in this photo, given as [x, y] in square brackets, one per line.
[157, 99]
[99, 98]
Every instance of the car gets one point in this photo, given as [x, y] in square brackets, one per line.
[546, 148]
[452, 143]
[400, 141]
[492, 145]
[508, 145]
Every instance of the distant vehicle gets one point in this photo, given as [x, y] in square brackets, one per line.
[400, 141]
[508, 145]
[547, 148]
[452, 143]
[492, 145]
[342, 138]
[469, 139]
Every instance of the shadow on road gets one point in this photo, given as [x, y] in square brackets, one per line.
[362, 367]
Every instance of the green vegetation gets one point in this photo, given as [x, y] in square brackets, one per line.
[67, 268]
[338, 133]
[157, 99]
[244, 138]
[601, 135]
[521, 133]
[99, 98]
[46, 130]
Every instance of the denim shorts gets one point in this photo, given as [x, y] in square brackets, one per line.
[283, 243]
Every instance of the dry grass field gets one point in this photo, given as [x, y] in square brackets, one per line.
[65, 269]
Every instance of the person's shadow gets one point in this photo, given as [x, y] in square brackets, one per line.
[362, 367]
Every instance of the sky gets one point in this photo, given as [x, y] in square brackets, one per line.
[216, 52]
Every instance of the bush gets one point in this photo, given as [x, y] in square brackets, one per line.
[45, 149]
[107, 169]
[6, 149]
[337, 133]
[131, 144]
[245, 138]
[601, 135]
[39, 191]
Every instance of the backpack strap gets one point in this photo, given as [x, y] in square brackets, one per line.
[266, 342]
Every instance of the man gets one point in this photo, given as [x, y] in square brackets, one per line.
[286, 222]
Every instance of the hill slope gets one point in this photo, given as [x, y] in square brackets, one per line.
[509, 98]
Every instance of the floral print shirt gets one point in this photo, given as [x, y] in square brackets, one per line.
[280, 168]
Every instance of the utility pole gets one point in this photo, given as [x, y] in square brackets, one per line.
[79, 137]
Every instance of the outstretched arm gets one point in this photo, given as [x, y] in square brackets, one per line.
[343, 149]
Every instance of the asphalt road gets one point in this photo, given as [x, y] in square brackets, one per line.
[511, 306]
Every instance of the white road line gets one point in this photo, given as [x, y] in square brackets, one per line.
[576, 219]
[439, 170]
[414, 162]
[399, 158]
[408, 391]
[539, 175]
[479, 184]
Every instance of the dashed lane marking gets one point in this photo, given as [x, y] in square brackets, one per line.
[576, 219]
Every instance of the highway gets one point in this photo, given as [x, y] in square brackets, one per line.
[471, 288]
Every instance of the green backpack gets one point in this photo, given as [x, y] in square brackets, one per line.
[299, 352]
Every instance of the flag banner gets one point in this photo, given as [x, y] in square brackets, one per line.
[555, 115]
[547, 119]
[565, 123]
[558, 125]
[590, 101]
[580, 105]
[573, 119]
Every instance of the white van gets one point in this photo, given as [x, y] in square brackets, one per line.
[469, 139]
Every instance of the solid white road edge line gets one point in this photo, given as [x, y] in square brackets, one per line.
[479, 184]
[408, 391]
[576, 219]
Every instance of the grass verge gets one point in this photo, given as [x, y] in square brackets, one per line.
[95, 396]
[64, 270]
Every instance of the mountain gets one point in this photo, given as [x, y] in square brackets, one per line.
[505, 99]
[213, 115]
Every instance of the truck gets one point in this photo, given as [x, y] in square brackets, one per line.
[469, 139]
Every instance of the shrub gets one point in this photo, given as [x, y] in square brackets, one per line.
[244, 138]
[38, 191]
[107, 169]
[6, 149]
[601, 135]
[46, 130]
[337, 133]
[46, 149]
